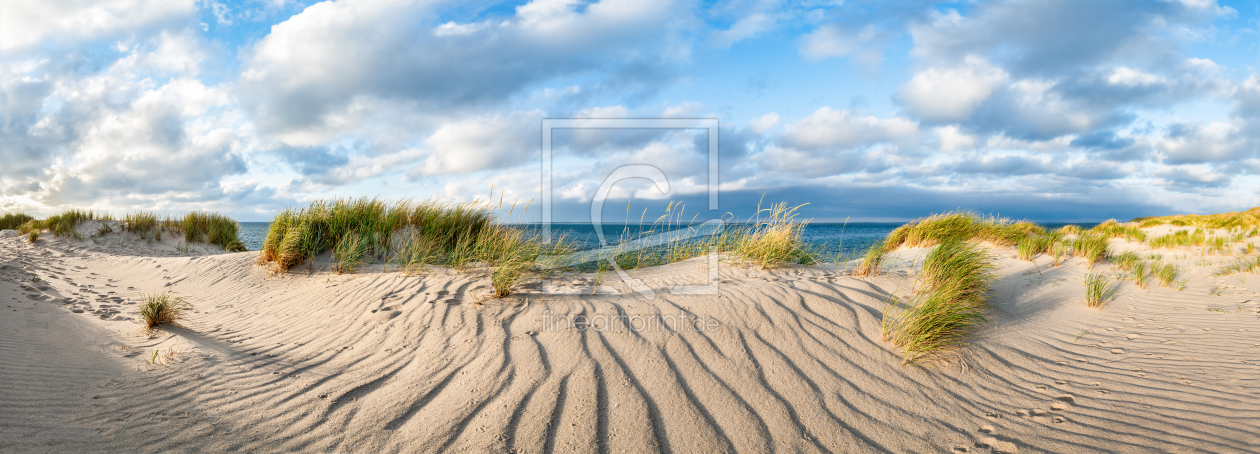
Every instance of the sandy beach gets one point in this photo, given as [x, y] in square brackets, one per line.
[784, 360]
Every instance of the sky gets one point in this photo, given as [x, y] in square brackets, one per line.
[1072, 110]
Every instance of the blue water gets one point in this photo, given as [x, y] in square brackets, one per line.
[830, 239]
[253, 234]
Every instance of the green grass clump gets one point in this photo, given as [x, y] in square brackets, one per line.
[1112, 229]
[407, 234]
[299, 234]
[950, 303]
[871, 263]
[1245, 220]
[159, 308]
[33, 225]
[32, 237]
[142, 223]
[1126, 260]
[960, 226]
[1032, 245]
[347, 255]
[1098, 290]
[1057, 251]
[212, 228]
[414, 251]
[774, 240]
[11, 221]
[1242, 265]
[1167, 274]
[1071, 229]
[66, 223]
[1215, 244]
[1140, 273]
[1091, 247]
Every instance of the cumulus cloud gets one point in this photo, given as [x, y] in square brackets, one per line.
[1212, 142]
[483, 143]
[951, 93]
[828, 128]
[123, 102]
[834, 41]
[320, 62]
[24, 23]
[1058, 37]
[764, 123]
[142, 129]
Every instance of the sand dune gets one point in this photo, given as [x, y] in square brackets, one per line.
[784, 360]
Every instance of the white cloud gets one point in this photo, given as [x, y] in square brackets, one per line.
[951, 138]
[828, 127]
[742, 29]
[763, 123]
[832, 41]
[26, 22]
[1133, 77]
[482, 143]
[313, 68]
[951, 93]
[1213, 142]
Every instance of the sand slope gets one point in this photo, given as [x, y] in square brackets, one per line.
[312, 361]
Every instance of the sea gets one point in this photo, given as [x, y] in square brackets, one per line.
[836, 240]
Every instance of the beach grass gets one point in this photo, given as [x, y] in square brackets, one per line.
[210, 228]
[960, 226]
[347, 255]
[1126, 260]
[1057, 251]
[871, 263]
[410, 235]
[1167, 274]
[950, 304]
[1098, 290]
[1112, 229]
[1140, 273]
[407, 234]
[1071, 229]
[13, 221]
[1034, 244]
[774, 239]
[296, 235]
[32, 237]
[1247, 221]
[162, 308]
[1092, 247]
[1241, 265]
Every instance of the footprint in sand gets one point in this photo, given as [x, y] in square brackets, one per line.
[996, 445]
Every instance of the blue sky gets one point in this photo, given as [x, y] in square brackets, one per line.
[1055, 110]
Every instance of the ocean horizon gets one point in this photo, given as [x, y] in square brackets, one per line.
[828, 238]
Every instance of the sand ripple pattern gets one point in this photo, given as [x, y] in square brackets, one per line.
[385, 363]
